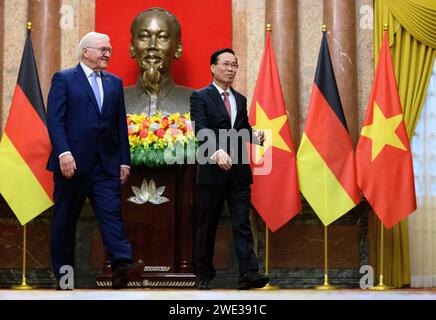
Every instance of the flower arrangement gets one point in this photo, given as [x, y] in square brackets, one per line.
[161, 140]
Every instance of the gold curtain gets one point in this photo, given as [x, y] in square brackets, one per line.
[412, 40]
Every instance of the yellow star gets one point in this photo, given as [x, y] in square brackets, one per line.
[272, 129]
[382, 132]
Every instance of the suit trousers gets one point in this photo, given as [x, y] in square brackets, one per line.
[69, 195]
[211, 200]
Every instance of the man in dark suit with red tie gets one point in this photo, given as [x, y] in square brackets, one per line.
[219, 113]
[86, 120]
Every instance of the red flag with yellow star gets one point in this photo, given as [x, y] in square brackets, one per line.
[275, 193]
[325, 158]
[383, 156]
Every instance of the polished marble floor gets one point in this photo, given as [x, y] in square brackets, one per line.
[219, 294]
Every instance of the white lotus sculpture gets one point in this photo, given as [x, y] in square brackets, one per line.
[148, 193]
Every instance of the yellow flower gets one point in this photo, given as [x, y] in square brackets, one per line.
[178, 130]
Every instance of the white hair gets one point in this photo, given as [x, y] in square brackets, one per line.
[88, 40]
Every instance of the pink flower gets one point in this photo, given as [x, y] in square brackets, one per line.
[174, 132]
[160, 133]
[143, 133]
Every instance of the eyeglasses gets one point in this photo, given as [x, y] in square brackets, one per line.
[229, 65]
[103, 50]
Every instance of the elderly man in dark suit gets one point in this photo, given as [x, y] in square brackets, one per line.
[223, 173]
[90, 157]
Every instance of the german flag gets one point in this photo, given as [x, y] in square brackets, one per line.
[25, 146]
[325, 158]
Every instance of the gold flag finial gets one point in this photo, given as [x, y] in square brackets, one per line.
[29, 25]
[385, 27]
[324, 28]
[268, 27]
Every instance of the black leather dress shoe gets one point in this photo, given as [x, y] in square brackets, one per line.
[204, 285]
[252, 280]
[124, 273]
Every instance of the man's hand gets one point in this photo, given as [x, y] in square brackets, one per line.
[68, 165]
[223, 159]
[260, 135]
[124, 174]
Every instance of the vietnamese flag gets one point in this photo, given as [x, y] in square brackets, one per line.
[275, 193]
[383, 156]
[25, 146]
[325, 158]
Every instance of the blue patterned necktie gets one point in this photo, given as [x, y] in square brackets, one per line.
[96, 89]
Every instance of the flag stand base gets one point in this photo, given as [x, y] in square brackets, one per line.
[381, 286]
[22, 286]
[325, 286]
[269, 286]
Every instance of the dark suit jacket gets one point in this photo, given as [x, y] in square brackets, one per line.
[75, 123]
[209, 112]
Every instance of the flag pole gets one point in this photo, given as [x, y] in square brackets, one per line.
[381, 286]
[268, 286]
[326, 285]
[23, 285]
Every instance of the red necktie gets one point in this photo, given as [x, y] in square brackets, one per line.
[227, 103]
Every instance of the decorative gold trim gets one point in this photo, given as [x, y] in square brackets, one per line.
[151, 284]
[166, 283]
[157, 268]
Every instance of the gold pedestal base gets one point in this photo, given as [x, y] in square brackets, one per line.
[22, 286]
[269, 287]
[325, 286]
[380, 287]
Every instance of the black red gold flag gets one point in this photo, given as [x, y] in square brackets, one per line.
[25, 146]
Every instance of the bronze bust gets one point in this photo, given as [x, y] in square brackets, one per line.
[155, 42]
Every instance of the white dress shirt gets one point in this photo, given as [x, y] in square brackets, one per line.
[88, 72]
